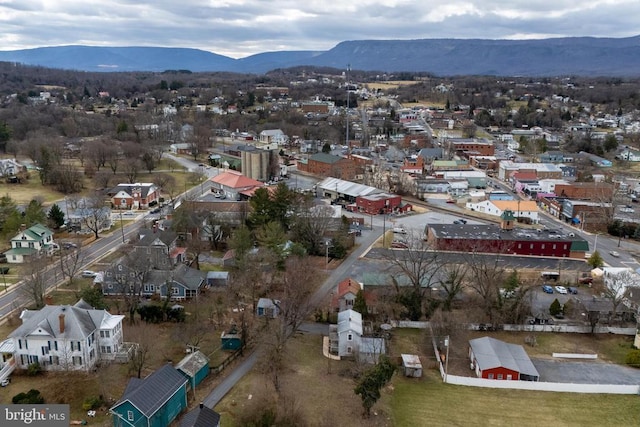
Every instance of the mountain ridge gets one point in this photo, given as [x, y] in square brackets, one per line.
[586, 56]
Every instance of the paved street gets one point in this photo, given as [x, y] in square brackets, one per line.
[581, 372]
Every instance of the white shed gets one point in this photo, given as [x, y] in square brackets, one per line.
[411, 365]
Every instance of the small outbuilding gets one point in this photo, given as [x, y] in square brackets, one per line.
[231, 340]
[195, 367]
[411, 365]
[201, 417]
[497, 360]
[267, 307]
[217, 278]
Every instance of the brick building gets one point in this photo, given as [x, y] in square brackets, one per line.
[322, 164]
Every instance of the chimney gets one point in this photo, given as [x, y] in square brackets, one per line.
[23, 227]
[61, 321]
[201, 405]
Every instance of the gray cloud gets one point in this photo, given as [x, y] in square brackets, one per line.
[239, 28]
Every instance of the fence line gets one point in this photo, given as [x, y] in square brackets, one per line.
[544, 386]
[525, 328]
[575, 355]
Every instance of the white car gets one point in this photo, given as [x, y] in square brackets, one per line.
[614, 254]
[561, 290]
[399, 230]
[88, 274]
[627, 210]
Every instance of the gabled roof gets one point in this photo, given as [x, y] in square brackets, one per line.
[492, 353]
[200, 417]
[145, 188]
[79, 322]
[348, 285]
[36, 232]
[347, 187]
[150, 394]
[147, 237]
[183, 275]
[192, 363]
[350, 320]
[236, 180]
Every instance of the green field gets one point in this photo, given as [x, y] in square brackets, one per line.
[429, 402]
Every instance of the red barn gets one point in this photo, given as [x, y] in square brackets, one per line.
[493, 359]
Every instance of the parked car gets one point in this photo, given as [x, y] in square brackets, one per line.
[5, 382]
[561, 290]
[69, 245]
[399, 230]
[4, 270]
[627, 209]
[614, 254]
[88, 274]
[572, 290]
[399, 245]
[585, 280]
[3, 258]
[460, 221]
[547, 289]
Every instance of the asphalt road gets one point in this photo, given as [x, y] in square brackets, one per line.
[335, 276]
[590, 372]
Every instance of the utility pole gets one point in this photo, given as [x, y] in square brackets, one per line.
[347, 109]
[447, 343]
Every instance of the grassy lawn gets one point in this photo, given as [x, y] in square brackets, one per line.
[428, 401]
[325, 392]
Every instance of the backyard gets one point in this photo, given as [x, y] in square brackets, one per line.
[324, 392]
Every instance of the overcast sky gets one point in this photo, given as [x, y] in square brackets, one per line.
[239, 28]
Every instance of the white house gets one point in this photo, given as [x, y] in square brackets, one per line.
[33, 241]
[272, 136]
[66, 337]
[349, 331]
[629, 155]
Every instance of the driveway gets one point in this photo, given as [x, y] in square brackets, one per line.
[590, 372]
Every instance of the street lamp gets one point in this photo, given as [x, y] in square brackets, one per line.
[446, 360]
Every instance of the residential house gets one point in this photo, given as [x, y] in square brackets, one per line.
[84, 219]
[31, 242]
[234, 185]
[267, 307]
[10, 168]
[595, 160]
[497, 360]
[629, 155]
[154, 401]
[201, 417]
[551, 157]
[140, 195]
[180, 283]
[345, 295]
[271, 136]
[195, 367]
[66, 337]
[158, 247]
[346, 339]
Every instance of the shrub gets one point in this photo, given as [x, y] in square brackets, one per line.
[633, 358]
[32, 396]
[92, 402]
[555, 308]
[34, 369]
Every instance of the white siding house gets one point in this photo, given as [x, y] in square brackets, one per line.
[64, 337]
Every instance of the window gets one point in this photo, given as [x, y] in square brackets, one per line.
[350, 337]
[490, 376]
[509, 377]
[499, 376]
[349, 350]
[77, 360]
[175, 290]
[130, 415]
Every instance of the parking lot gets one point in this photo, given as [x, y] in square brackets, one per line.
[580, 372]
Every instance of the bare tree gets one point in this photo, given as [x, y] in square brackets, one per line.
[35, 281]
[298, 282]
[71, 261]
[615, 285]
[420, 266]
[131, 168]
[453, 282]
[486, 275]
[130, 273]
[96, 216]
[145, 345]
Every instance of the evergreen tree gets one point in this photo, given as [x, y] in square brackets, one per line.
[56, 216]
[326, 148]
[360, 304]
[555, 308]
[34, 213]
